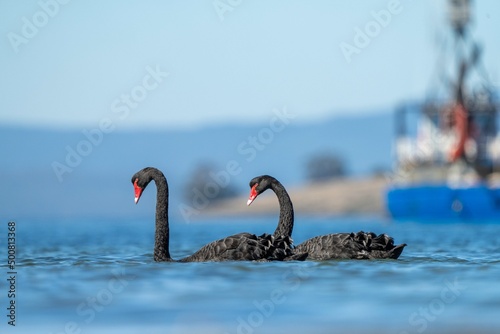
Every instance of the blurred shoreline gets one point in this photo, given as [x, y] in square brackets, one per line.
[347, 196]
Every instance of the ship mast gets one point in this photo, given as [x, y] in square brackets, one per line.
[457, 131]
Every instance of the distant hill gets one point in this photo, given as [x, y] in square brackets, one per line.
[37, 181]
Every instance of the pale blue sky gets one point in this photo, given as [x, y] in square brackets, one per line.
[81, 62]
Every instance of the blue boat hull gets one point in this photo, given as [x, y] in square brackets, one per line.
[443, 202]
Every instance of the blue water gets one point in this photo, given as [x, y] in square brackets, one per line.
[97, 276]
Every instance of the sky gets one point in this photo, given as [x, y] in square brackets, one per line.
[186, 63]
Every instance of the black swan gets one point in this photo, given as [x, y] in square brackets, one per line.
[238, 247]
[361, 245]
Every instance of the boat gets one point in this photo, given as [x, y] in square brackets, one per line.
[447, 148]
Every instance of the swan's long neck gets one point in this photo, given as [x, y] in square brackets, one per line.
[285, 224]
[161, 252]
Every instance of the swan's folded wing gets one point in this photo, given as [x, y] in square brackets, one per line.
[361, 245]
[238, 247]
[330, 246]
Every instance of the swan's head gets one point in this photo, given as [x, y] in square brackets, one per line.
[258, 185]
[140, 180]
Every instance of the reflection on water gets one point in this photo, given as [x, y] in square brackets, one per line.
[98, 276]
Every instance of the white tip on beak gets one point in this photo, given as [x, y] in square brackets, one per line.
[136, 199]
[250, 201]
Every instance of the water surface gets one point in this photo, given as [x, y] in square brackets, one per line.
[98, 276]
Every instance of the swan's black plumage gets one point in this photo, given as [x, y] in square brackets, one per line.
[242, 246]
[361, 245]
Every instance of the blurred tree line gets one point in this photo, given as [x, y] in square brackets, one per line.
[206, 181]
[325, 166]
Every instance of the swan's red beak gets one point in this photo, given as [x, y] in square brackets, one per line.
[138, 192]
[253, 194]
